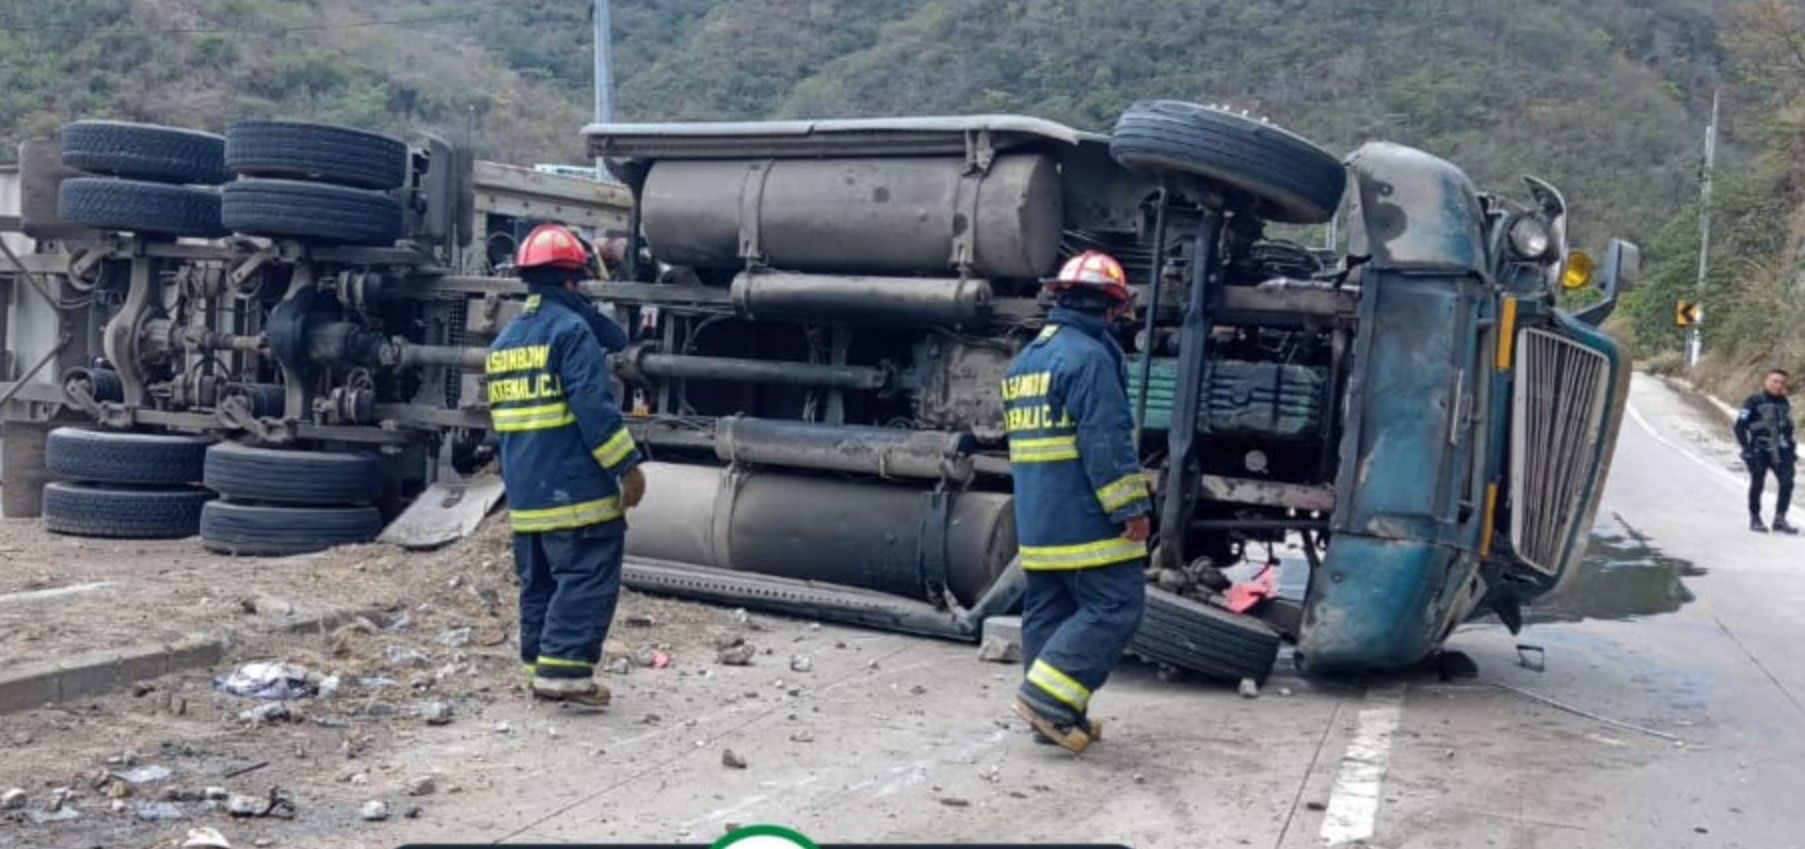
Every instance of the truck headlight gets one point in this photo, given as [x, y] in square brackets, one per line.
[1530, 238]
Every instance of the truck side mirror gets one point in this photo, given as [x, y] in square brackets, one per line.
[1622, 269]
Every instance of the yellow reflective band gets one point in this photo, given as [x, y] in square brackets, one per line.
[542, 417]
[566, 517]
[1082, 555]
[615, 449]
[1059, 685]
[1046, 449]
[560, 663]
[524, 358]
[1131, 488]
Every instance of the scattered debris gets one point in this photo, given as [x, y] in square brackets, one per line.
[157, 811]
[436, 713]
[803, 736]
[1316, 806]
[206, 838]
[241, 805]
[142, 689]
[1139, 778]
[214, 794]
[246, 770]
[14, 799]
[737, 655]
[275, 804]
[1284, 691]
[954, 802]
[143, 774]
[454, 638]
[801, 663]
[918, 690]
[374, 810]
[269, 680]
[422, 786]
[992, 774]
[265, 605]
[999, 650]
[1249, 689]
[502, 727]
[399, 656]
[620, 665]
[640, 620]
[732, 760]
[266, 714]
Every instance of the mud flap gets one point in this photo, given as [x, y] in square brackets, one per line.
[444, 513]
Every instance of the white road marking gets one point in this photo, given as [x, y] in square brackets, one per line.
[1717, 472]
[1353, 809]
[55, 592]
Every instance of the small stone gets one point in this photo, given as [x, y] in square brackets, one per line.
[214, 794]
[740, 655]
[620, 666]
[640, 620]
[240, 805]
[263, 842]
[1316, 806]
[645, 657]
[871, 664]
[801, 663]
[155, 811]
[266, 714]
[359, 778]
[728, 642]
[22, 738]
[399, 656]
[422, 786]
[954, 802]
[1284, 691]
[1249, 689]
[803, 736]
[918, 690]
[992, 774]
[1140, 779]
[413, 812]
[13, 799]
[436, 713]
[502, 727]
[652, 719]
[206, 837]
[374, 810]
[731, 759]
[141, 689]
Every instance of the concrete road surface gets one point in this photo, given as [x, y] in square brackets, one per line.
[1681, 655]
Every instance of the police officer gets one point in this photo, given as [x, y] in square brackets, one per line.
[1764, 430]
[1081, 503]
[568, 463]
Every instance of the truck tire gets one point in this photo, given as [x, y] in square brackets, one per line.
[310, 211]
[1204, 640]
[140, 207]
[320, 152]
[290, 477]
[269, 530]
[114, 457]
[1293, 180]
[145, 152]
[81, 509]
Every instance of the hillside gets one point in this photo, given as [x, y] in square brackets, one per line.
[1602, 96]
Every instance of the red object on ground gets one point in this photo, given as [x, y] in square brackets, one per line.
[660, 660]
[1247, 595]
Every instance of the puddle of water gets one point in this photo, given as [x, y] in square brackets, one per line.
[1621, 576]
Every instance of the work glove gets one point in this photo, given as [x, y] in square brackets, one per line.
[1138, 528]
[632, 488]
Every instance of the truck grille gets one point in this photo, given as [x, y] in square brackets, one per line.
[1562, 391]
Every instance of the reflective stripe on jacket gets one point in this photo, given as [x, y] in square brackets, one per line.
[563, 440]
[1071, 443]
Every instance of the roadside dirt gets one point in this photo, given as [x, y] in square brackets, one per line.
[420, 629]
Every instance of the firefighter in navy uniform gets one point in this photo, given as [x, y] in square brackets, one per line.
[569, 465]
[1764, 430]
[1082, 506]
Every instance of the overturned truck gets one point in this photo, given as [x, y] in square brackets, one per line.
[820, 314]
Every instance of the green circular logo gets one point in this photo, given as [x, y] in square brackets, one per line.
[764, 837]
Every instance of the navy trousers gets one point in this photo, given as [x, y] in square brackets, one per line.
[569, 584]
[1075, 625]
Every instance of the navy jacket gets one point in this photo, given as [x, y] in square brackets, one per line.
[1764, 427]
[1071, 442]
[563, 440]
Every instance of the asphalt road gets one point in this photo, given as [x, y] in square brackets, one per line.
[1675, 663]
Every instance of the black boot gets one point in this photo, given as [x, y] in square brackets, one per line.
[1782, 526]
[1756, 526]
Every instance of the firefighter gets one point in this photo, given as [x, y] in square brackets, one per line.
[1082, 505]
[569, 465]
[1764, 430]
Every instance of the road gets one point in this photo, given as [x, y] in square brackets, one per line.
[1674, 663]
[1691, 741]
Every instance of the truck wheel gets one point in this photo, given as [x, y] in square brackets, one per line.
[145, 152]
[139, 459]
[87, 510]
[1293, 180]
[313, 211]
[1204, 640]
[140, 207]
[290, 477]
[320, 152]
[269, 530]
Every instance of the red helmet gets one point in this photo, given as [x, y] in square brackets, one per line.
[1093, 270]
[552, 246]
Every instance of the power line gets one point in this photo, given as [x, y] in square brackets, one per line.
[273, 30]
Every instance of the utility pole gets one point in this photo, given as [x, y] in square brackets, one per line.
[1694, 334]
[604, 68]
